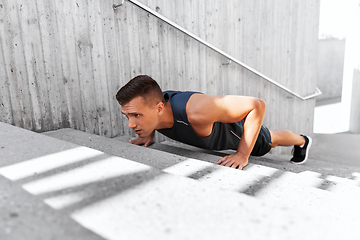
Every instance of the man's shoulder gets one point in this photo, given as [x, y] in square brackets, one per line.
[199, 99]
[174, 92]
[201, 107]
[170, 92]
[176, 96]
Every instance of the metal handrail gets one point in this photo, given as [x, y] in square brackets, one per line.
[151, 11]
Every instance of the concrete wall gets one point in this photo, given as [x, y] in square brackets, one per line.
[355, 104]
[330, 68]
[351, 88]
[63, 61]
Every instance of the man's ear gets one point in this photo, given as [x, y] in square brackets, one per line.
[160, 108]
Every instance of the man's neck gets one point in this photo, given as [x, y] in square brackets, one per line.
[167, 118]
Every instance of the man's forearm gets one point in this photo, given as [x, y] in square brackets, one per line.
[247, 143]
[252, 126]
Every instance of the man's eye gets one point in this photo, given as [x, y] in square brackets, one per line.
[137, 115]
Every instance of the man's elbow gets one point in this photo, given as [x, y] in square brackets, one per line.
[260, 105]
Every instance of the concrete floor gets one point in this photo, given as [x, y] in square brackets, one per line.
[341, 148]
[332, 141]
[55, 189]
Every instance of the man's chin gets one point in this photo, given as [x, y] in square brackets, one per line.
[142, 135]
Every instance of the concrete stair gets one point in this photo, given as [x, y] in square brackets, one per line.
[83, 186]
[326, 166]
[344, 187]
[331, 181]
[270, 183]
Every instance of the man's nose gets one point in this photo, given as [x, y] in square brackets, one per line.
[131, 123]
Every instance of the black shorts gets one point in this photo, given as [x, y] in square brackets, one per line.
[262, 145]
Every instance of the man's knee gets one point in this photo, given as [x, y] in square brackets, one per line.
[273, 145]
[273, 137]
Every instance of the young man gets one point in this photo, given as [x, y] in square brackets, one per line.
[210, 122]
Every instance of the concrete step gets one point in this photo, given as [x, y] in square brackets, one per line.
[191, 167]
[262, 166]
[286, 189]
[356, 176]
[167, 162]
[213, 156]
[280, 162]
[337, 148]
[101, 196]
[346, 190]
[338, 185]
[334, 179]
[341, 186]
[254, 177]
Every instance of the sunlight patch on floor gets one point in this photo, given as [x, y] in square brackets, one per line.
[48, 162]
[99, 171]
[327, 119]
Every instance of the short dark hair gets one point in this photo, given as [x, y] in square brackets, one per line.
[143, 86]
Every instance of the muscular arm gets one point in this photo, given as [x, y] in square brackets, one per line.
[204, 110]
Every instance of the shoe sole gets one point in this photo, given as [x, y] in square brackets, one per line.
[307, 152]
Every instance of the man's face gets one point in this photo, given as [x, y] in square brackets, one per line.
[142, 117]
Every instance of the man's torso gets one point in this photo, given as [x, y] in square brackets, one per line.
[223, 135]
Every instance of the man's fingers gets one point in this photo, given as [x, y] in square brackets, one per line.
[136, 141]
[232, 161]
[133, 142]
[148, 143]
[234, 165]
[242, 166]
[224, 161]
[221, 160]
[229, 163]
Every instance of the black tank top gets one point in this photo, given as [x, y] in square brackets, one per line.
[223, 136]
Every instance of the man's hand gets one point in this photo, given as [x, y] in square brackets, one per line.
[234, 161]
[147, 141]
